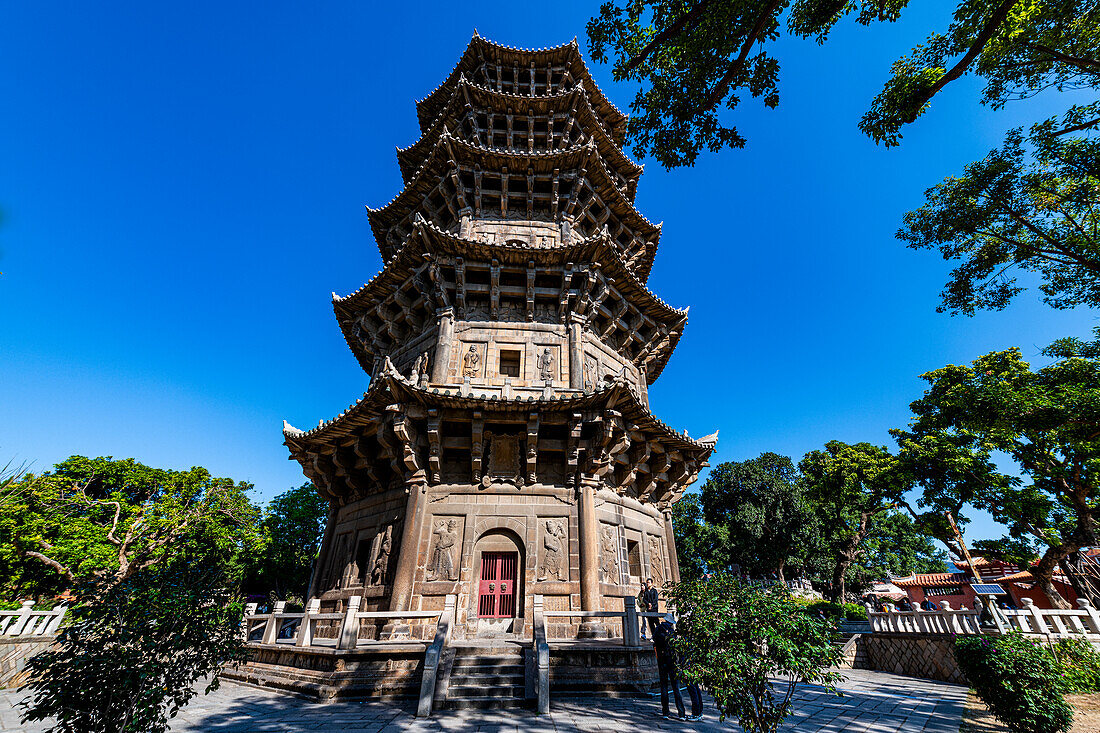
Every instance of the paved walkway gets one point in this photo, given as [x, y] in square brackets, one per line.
[873, 701]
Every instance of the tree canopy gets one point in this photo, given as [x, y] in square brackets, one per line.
[763, 512]
[1048, 421]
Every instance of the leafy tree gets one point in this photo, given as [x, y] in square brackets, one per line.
[1027, 208]
[751, 648]
[1048, 421]
[694, 58]
[895, 546]
[853, 486]
[290, 539]
[700, 546]
[130, 660]
[763, 509]
[92, 523]
[1030, 208]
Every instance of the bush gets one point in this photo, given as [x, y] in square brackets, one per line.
[750, 647]
[1080, 665]
[838, 611]
[1017, 679]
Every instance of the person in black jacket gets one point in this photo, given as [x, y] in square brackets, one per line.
[666, 665]
[650, 598]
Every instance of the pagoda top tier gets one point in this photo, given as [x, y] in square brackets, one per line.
[520, 137]
[525, 72]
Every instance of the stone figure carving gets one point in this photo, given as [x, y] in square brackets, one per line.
[591, 373]
[553, 543]
[471, 362]
[382, 559]
[609, 556]
[442, 566]
[656, 564]
[419, 374]
[545, 364]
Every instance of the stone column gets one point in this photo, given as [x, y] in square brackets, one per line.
[670, 543]
[576, 352]
[589, 557]
[401, 593]
[444, 345]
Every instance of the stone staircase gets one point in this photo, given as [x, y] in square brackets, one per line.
[849, 640]
[480, 678]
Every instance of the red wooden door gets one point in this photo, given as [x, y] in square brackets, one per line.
[497, 590]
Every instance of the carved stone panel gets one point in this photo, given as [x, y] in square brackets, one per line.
[656, 561]
[504, 461]
[553, 550]
[445, 549]
[610, 572]
[380, 563]
[472, 360]
[591, 373]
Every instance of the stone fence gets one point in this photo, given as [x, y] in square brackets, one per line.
[23, 634]
[921, 643]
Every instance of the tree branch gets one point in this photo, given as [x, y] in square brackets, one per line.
[666, 35]
[52, 563]
[987, 32]
[719, 92]
[1081, 63]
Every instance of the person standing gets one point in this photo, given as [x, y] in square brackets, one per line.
[650, 599]
[641, 608]
[666, 665]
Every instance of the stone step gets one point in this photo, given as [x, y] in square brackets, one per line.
[487, 669]
[485, 703]
[459, 691]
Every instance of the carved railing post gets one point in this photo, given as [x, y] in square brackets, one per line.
[22, 619]
[349, 627]
[432, 655]
[1036, 616]
[630, 622]
[1091, 619]
[271, 630]
[542, 655]
[305, 629]
[246, 620]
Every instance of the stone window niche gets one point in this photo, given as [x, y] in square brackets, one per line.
[509, 363]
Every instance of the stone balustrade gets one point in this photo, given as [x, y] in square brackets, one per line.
[24, 633]
[1082, 622]
[26, 621]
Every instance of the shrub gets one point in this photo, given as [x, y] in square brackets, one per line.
[1017, 679]
[1080, 665]
[838, 611]
[750, 647]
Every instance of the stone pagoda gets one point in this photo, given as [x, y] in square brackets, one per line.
[505, 447]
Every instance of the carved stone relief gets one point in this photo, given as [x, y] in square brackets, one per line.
[504, 460]
[609, 555]
[471, 361]
[591, 372]
[656, 561]
[546, 364]
[381, 565]
[554, 565]
[443, 559]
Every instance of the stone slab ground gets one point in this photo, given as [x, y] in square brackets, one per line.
[873, 701]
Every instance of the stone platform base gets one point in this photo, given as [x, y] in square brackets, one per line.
[382, 673]
[931, 656]
[604, 667]
[394, 671]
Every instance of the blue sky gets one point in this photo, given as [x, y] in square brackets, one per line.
[183, 185]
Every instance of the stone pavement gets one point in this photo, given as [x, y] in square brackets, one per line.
[873, 701]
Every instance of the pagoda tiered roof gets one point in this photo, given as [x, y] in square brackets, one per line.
[448, 183]
[409, 269]
[467, 96]
[481, 54]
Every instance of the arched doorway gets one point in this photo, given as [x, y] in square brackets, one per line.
[499, 562]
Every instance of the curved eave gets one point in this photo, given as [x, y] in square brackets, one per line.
[427, 109]
[427, 240]
[410, 159]
[432, 171]
[390, 387]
